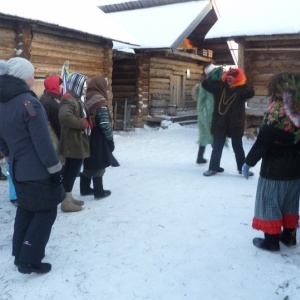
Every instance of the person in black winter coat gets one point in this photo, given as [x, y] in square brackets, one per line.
[33, 162]
[230, 95]
[278, 146]
[101, 140]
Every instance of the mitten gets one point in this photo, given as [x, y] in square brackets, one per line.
[57, 177]
[111, 145]
[245, 171]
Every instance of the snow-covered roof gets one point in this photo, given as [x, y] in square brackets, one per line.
[258, 17]
[85, 17]
[162, 26]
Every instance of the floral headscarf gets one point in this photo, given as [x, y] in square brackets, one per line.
[284, 111]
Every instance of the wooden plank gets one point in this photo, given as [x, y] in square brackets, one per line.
[67, 43]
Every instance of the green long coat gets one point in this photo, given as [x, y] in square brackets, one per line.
[74, 142]
[205, 107]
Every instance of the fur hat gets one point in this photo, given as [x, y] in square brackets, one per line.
[210, 69]
[17, 67]
[75, 83]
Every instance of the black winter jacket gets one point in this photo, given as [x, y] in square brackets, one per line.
[229, 118]
[280, 156]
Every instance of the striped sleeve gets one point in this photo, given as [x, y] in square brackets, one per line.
[103, 121]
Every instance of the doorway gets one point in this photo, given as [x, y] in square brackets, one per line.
[177, 90]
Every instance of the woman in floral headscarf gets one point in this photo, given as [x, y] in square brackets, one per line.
[278, 145]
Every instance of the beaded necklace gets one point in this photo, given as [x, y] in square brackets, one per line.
[227, 103]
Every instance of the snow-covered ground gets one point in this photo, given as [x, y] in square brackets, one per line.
[167, 232]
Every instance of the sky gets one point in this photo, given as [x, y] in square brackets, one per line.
[166, 232]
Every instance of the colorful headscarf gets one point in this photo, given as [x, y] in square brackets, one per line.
[284, 112]
[76, 83]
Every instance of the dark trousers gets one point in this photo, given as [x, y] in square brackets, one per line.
[71, 171]
[218, 145]
[31, 234]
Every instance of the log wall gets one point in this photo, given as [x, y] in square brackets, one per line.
[161, 72]
[49, 48]
[262, 58]
[155, 81]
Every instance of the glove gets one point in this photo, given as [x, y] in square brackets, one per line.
[245, 170]
[57, 177]
[111, 145]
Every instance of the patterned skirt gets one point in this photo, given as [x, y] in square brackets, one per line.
[276, 205]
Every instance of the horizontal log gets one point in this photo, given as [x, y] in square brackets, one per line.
[159, 80]
[7, 53]
[129, 95]
[41, 60]
[7, 42]
[58, 52]
[55, 41]
[123, 81]
[163, 93]
[124, 88]
[160, 73]
[7, 33]
[41, 70]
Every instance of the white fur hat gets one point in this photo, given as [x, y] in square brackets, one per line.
[209, 70]
[17, 67]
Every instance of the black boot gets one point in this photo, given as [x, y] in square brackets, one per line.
[289, 237]
[269, 243]
[99, 192]
[85, 185]
[200, 159]
[40, 268]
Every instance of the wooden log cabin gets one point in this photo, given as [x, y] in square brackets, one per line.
[267, 45]
[157, 76]
[49, 45]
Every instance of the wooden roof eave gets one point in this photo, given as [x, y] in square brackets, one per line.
[249, 38]
[136, 4]
[186, 56]
[191, 27]
[123, 55]
[169, 53]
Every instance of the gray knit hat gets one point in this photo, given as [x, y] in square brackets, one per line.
[75, 83]
[17, 67]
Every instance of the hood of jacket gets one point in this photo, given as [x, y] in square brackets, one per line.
[11, 86]
[52, 85]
